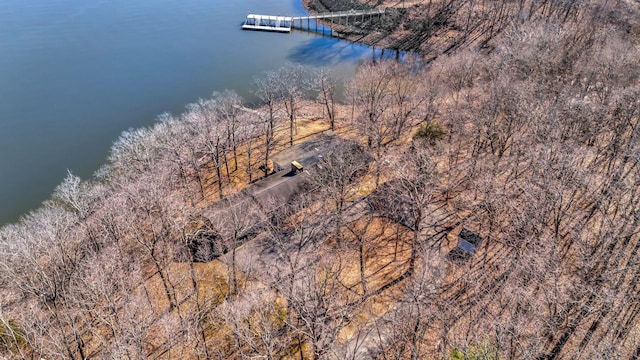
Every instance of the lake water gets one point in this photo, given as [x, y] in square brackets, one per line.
[75, 73]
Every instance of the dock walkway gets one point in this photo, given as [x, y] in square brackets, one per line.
[286, 23]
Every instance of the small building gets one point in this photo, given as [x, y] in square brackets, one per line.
[468, 244]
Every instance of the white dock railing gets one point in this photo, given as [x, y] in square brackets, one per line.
[338, 14]
[286, 23]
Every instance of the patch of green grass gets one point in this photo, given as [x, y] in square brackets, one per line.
[475, 352]
[11, 336]
[430, 132]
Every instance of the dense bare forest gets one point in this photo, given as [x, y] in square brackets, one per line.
[481, 205]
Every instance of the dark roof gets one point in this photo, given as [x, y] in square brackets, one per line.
[466, 246]
[468, 242]
[470, 237]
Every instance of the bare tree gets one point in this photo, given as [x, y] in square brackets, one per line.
[290, 80]
[228, 106]
[270, 96]
[371, 95]
[238, 222]
[132, 153]
[11, 337]
[415, 190]
[401, 332]
[118, 313]
[325, 82]
[256, 321]
[150, 227]
[210, 134]
[77, 195]
[337, 176]
[46, 255]
[318, 311]
[407, 97]
[179, 153]
[250, 129]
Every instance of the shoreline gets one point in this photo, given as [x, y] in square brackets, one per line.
[127, 89]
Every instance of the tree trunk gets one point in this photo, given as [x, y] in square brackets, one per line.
[363, 280]
[165, 284]
[291, 126]
[249, 170]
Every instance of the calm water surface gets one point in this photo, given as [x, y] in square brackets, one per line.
[75, 73]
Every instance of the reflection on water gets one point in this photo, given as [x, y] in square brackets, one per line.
[326, 51]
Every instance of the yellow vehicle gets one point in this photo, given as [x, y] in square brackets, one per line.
[296, 167]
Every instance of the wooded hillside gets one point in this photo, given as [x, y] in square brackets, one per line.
[483, 205]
